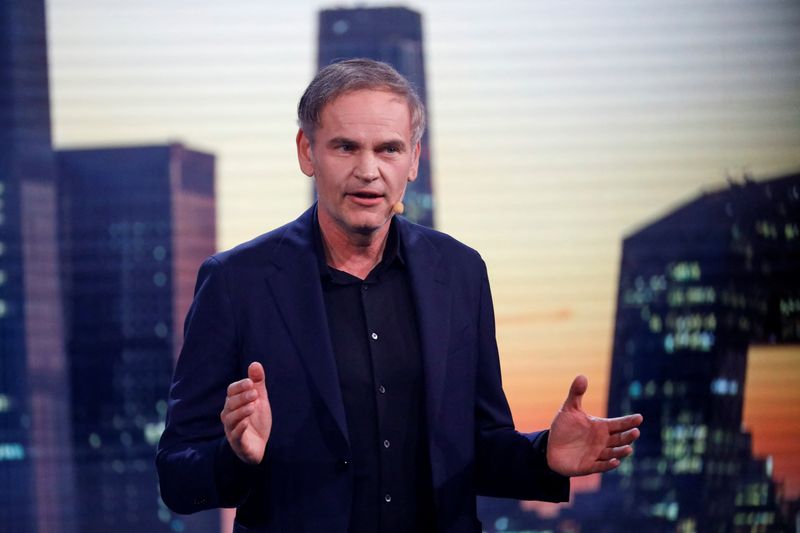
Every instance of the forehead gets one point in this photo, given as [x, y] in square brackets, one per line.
[367, 109]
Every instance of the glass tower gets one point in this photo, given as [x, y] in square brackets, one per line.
[392, 35]
[136, 224]
[35, 454]
[697, 288]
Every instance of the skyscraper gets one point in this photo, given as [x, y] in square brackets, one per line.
[697, 288]
[35, 454]
[392, 35]
[136, 224]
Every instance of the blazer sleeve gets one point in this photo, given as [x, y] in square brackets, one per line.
[196, 466]
[509, 464]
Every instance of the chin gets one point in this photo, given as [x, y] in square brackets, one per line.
[368, 227]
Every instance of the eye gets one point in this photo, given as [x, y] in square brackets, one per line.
[391, 149]
[347, 147]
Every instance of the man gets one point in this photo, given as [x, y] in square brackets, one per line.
[340, 373]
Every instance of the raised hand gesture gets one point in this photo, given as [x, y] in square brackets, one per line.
[580, 444]
[247, 416]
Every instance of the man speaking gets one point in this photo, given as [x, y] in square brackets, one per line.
[340, 373]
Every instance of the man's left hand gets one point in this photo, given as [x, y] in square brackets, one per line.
[580, 444]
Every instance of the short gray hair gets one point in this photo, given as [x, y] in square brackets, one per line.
[351, 75]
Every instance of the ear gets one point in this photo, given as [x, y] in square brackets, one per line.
[304, 153]
[412, 173]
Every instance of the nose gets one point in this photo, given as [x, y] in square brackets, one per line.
[366, 168]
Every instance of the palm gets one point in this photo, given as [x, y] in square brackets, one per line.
[259, 425]
[247, 416]
[580, 444]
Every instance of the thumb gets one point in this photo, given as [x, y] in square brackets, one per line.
[256, 373]
[576, 392]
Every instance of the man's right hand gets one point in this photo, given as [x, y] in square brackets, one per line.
[247, 416]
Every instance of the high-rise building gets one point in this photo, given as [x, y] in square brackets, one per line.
[35, 454]
[697, 288]
[392, 35]
[136, 223]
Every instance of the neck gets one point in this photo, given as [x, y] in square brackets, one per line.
[354, 253]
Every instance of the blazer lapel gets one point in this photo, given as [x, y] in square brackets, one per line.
[430, 281]
[295, 284]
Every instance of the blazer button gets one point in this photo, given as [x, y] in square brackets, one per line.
[342, 464]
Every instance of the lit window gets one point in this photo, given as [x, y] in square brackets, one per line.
[685, 271]
[655, 324]
[658, 283]
[5, 403]
[152, 433]
[669, 343]
[724, 387]
[11, 451]
[340, 27]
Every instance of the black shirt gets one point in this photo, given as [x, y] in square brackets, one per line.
[375, 341]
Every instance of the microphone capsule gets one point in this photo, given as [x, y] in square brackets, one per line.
[398, 208]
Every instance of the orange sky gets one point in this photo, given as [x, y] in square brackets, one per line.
[772, 409]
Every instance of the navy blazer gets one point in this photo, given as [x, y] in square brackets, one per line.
[262, 301]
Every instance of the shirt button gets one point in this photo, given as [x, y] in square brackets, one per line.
[365, 287]
[382, 389]
[388, 498]
[374, 336]
[386, 444]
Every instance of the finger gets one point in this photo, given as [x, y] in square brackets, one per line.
[238, 430]
[605, 466]
[240, 386]
[576, 392]
[256, 373]
[617, 452]
[624, 423]
[624, 438]
[231, 418]
[238, 400]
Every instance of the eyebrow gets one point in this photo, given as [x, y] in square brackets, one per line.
[396, 144]
[337, 141]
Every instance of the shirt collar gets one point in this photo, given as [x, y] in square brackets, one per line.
[392, 251]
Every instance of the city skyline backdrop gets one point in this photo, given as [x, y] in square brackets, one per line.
[556, 131]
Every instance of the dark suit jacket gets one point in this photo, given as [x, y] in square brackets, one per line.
[262, 301]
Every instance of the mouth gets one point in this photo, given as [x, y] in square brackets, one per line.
[365, 198]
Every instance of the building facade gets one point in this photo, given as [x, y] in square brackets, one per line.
[36, 482]
[136, 223]
[392, 35]
[697, 288]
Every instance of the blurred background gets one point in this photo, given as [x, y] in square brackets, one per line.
[630, 172]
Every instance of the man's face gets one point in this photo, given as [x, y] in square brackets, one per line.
[361, 159]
